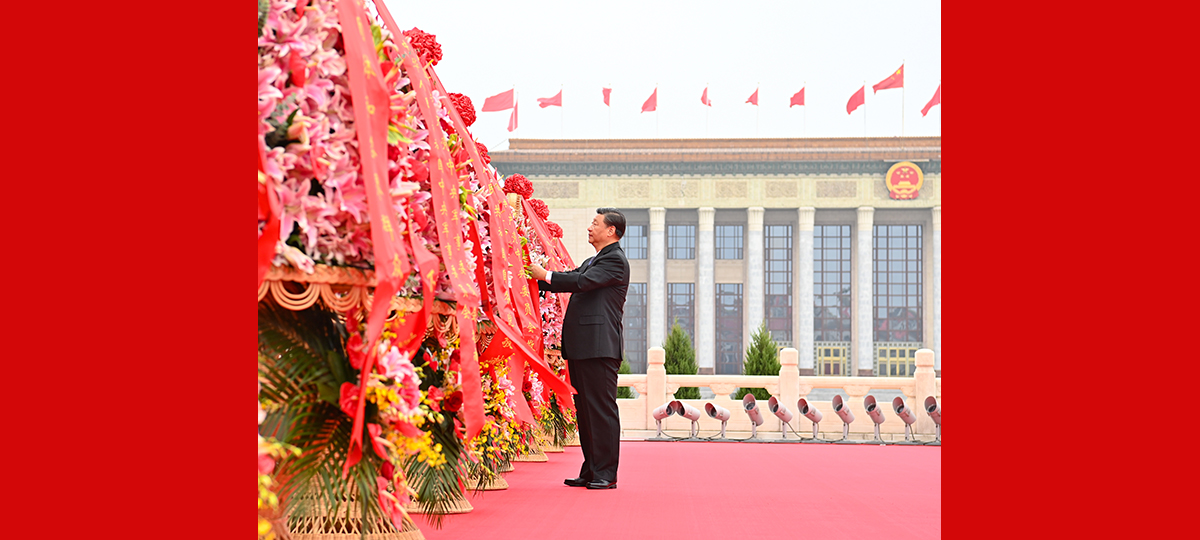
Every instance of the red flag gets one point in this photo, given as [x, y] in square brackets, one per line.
[606, 91]
[753, 100]
[512, 120]
[896, 80]
[544, 102]
[937, 100]
[797, 99]
[499, 102]
[704, 97]
[651, 103]
[857, 99]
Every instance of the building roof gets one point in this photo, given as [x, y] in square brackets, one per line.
[715, 156]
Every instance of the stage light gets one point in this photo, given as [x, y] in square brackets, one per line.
[813, 415]
[843, 412]
[691, 413]
[935, 412]
[784, 415]
[721, 414]
[659, 414]
[756, 419]
[875, 413]
[907, 417]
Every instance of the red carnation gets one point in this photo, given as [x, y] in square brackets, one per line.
[483, 153]
[555, 230]
[518, 184]
[425, 44]
[453, 402]
[465, 108]
[540, 208]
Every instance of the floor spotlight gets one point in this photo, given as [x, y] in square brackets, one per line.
[905, 415]
[659, 414]
[810, 412]
[756, 419]
[935, 412]
[785, 418]
[691, 413]
[843, 412]
[875, 413]
[722, 414]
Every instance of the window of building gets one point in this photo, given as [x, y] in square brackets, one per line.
[729, 329]
[634, 242]
[779, 282]
[681, 307]
[831, 283]
[681, 241]
[729, 241]
[897, 283]
[634, 322]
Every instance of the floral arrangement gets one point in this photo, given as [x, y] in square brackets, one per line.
[311, 361]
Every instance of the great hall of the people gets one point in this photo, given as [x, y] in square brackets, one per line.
[833, 243]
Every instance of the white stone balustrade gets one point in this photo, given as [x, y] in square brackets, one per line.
[655, 388]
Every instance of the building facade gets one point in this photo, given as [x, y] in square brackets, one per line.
[833, 244]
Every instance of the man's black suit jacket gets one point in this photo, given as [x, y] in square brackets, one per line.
[592, 323]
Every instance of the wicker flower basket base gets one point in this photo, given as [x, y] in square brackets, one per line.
[550, 448]
[459, 505]
[537, 456]
[496, 484]
[573, 440]
[325, 527]
[505, 467]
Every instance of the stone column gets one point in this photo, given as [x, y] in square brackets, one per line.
[937, 291]
[706, 295]
[755, 271]
[863, 317]
[656, 301]
[804, 300]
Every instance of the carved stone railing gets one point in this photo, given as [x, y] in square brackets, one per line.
[656, 388]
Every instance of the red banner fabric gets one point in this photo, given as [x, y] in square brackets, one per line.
[704, 97]
[268, 210]
[936, 100]
[544, 102]
[480, 276]
[444, 185]
[856, 100]
[896, 80]
[371, 107]
[502, 350]
[427, 268]
[753, 99]
[539, 226]
[512, 120]
[607, 92]
[797, 99]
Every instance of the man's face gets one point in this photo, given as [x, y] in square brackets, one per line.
[597, 231]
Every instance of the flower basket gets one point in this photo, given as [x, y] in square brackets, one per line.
[320, 525]
[494, 484]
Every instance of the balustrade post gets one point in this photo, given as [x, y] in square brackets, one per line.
[656, 382]
[789, 385]
[925, 384]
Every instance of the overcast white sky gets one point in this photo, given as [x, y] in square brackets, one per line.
[540, 46]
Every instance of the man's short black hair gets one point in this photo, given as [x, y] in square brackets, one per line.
[613, 218]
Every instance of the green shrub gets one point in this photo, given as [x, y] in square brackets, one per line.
[681, 360]
[624, 392]
[762, 358]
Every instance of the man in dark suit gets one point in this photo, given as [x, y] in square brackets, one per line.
[592, 344]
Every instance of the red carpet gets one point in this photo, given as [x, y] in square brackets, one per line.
[672, 490]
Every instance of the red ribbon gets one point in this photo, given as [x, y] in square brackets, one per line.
[371, 109]
[268, 209]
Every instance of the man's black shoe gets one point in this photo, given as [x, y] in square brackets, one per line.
[576, 482]
[601, 484]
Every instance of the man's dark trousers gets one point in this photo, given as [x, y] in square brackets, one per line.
[598, 417]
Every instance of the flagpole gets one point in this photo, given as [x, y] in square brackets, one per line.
[804, 118]
[864, 106]
[655, 110]
[609, 110]
[706, 109]
[756, 108]
[903, 89]
[562, 132]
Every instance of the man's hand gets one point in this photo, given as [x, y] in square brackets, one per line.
[537, 271]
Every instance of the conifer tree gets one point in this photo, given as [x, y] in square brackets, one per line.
[762, 358]
[681, 360]
[623, 392]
